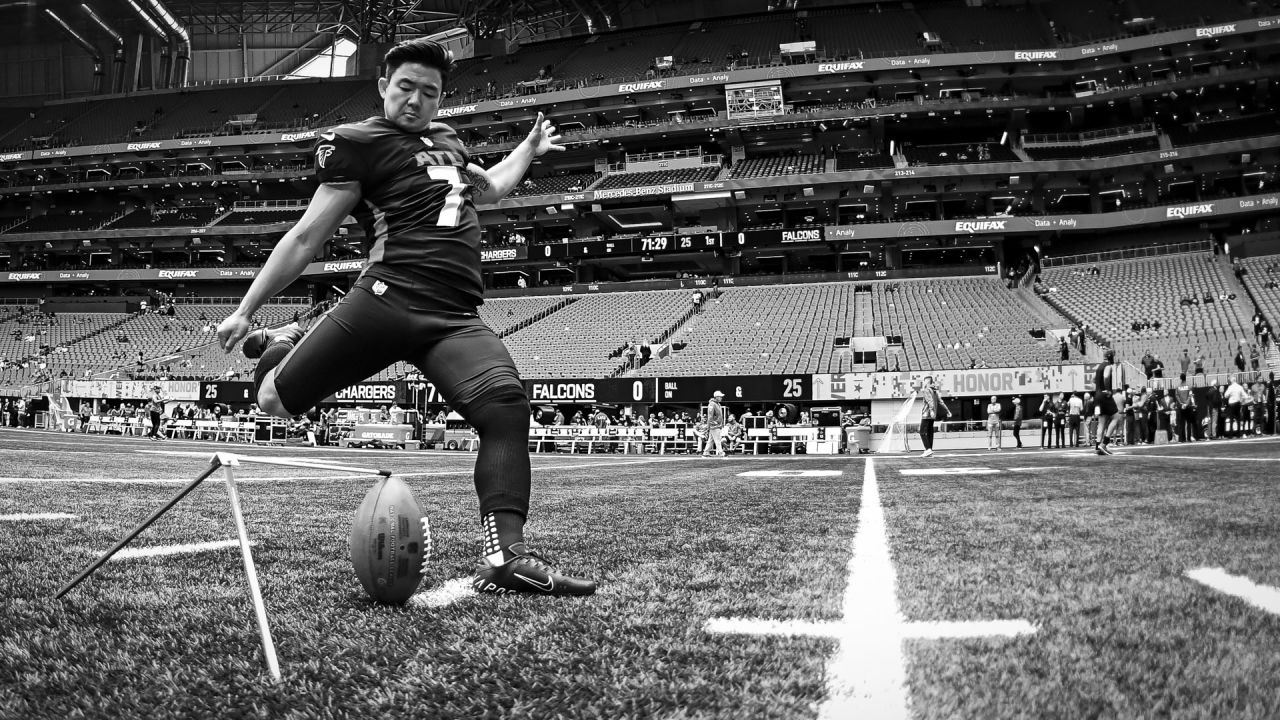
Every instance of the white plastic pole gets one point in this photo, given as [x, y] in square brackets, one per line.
[264, 629]
[232, 458]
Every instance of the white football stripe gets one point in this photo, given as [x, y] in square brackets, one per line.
[37, 516]
[949, 471]
[1263, 597]
[162, 550]
[447, 594]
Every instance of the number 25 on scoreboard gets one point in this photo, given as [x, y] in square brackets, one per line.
[793, 387]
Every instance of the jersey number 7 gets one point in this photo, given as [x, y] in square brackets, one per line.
[449, 214]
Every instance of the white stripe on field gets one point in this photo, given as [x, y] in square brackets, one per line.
[866, 678]
[447, 594]
[935, 630]
[1215, 458]
[37, 516]
[1263, 597]
[948, 471]
[163, 550]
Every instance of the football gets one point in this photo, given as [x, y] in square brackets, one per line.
[390, 539]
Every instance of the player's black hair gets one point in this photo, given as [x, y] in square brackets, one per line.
[422, 51]
[1110, 355]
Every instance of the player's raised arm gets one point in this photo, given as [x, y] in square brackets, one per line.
[330, 204]
[494, 184]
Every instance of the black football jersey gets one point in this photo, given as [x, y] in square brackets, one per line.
[416, 207]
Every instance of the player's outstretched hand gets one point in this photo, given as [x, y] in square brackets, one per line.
[543, 137]
[232, 330]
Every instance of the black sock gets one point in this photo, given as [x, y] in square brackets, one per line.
[269, 359]
[502, 475]
[502, 529]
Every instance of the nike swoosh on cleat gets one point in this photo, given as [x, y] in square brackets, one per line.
[547, 586]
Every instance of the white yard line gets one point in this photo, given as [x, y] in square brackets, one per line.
[867, 675]
[448, 593]
[1263, 597]
[163, 550]
[932, 630]
[19, 517]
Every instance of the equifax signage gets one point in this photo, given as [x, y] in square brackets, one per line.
[1216, 30]
[1185, 211]
[459, 110]
[975, 226]
[1035, 55]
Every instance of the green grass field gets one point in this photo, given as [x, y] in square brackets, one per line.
[1092, 552]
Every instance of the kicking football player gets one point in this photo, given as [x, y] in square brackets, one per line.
[412, 186]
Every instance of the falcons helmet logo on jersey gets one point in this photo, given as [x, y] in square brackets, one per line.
[322, 154]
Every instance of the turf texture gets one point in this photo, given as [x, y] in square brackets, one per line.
[1092, 551]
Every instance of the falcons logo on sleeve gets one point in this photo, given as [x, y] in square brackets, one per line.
[322, 154]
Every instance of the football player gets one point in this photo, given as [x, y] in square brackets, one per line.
[412, 186]
[1108, 383]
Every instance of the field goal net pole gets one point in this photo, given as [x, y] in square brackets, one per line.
[228, 462]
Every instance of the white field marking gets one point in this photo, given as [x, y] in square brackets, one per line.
[948, 471]
[1220, 458]
[791, 473]
[301, 478]
[19, 517]
[932, 630]
[448, 593]
[1263, 597]
[162, 550]
[1036, 468]
[866, 678]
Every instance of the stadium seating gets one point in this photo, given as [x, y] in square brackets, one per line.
[505, 315]
[1180, 13]
[1082, 21]
[721, 44]
[840, 32]
[555, 184]
[623, 55]
[847, 160]
[197, 216]
[497, 77]
[968, 28]
[958, 154]
[774, 166]
[262, 216]
[658, 177]
[1152, 289]
[1225, 129]
[765, 330]
[1263, 281]
[56, 221]
[1093, 150]
[583, 338]
[959, 322]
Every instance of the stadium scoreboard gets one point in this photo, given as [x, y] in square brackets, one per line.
[649, 245]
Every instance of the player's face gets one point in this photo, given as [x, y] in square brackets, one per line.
[411, 96]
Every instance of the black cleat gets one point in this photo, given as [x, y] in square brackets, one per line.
[527, 572]
[258, 340]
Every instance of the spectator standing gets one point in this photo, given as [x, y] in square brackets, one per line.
[932, 405]
[1213, 403]
[1184, 363]
[1199, 364]
[1234, 397]
[1063, 350]
[1017, 420]
[1186, 410]
[1075, 410]
[715, 425]
[155, 408]
[1240, 357]
[1046, 422]
[994, 430]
